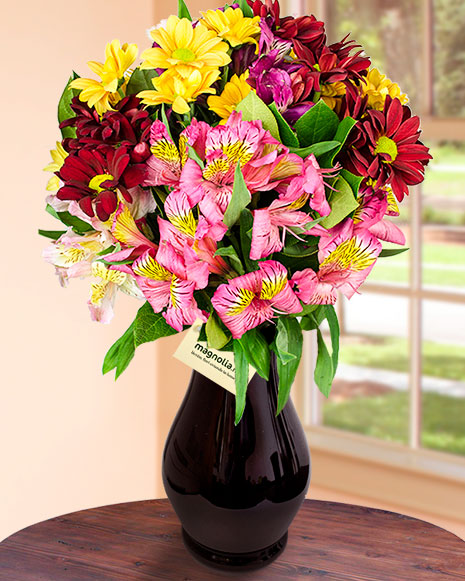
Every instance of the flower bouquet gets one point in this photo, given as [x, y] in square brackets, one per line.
[242, 174]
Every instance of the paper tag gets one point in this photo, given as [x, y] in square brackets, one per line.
[218, 366]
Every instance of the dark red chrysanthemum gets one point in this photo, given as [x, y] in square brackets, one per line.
[92, 178]
[334, 63]
[127, 125]
[268, 9]
[304, 30]
[385, 147]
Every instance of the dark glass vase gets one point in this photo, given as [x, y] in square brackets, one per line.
[235, 489]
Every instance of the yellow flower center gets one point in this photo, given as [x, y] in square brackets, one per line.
[184, 54]
[97, 181]
[387, 146]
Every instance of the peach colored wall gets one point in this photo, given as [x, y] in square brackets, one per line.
[69, 438]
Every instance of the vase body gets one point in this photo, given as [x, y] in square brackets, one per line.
[235, 489]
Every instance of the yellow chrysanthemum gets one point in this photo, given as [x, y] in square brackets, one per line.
[179, 91]
[234, 91]
[103, 94]
[58, 159]
[185, 48]
[377, 86]
[330, 93]
[232, 25]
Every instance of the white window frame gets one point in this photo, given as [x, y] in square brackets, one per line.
[306, 396]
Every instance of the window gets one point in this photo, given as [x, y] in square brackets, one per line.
[402, 362]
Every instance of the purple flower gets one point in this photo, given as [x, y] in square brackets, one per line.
[271, 81]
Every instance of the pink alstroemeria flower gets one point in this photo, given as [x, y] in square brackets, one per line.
[264, 162]
[374, 205]
[194, 239]
[165, 164]
[284, 212]
[253, 298]
[166, 289]
[346, 258]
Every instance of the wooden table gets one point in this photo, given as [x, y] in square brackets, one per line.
[142, 540]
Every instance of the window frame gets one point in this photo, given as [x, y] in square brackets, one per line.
[306, 395]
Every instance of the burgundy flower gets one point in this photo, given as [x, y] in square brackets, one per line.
[92, 176]
[128, 125]
[334, 63]
[385, 147]
[267, 10]
[305, 31]
[242, 58]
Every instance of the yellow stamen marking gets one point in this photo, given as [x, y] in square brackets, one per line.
[238, 151]
[186, 223]
[173, 290]
[393, 207]
[349, 255]
[272, 286]
[299, 203]
[98, 290]
[148, 267]
[165, 150]
[243, 300]
[216, 170]
[183, 149]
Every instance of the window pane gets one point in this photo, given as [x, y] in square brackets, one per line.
[449, 58]
[443, 382]
[444, 218]
[390, 31]
[370, 391]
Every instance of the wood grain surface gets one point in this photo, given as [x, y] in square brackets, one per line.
[142, 541]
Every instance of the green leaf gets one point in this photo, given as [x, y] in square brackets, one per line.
[324, 371]
[334, 331]
[241, 379]
[318, 124]
[239, 200]
[288, 137]
[53, 234]
[353, 181]
[286, 374]
[257, 351]
[246, 10]
[288, 349]
[192, 154]
[342, 202]
[216, 337]
[253, 109]
[392, 251]
[318, 149]
[78, 225]
[64, 107]
[312, 317]
[120, 353]
[183, 11]
[150, 326]
[231, 254]
[342, 133]
[141, 80]
[51, 210]
[288, 339]
[246, 226]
